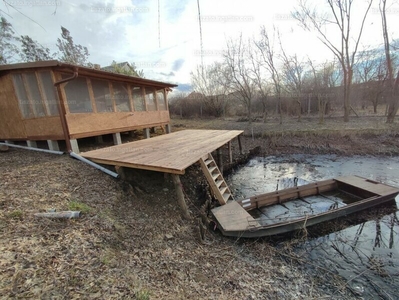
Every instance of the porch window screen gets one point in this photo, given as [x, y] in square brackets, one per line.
[121, 96]
[77, 94]
[36, 94]
[138, 100]
[150, 99]
[48, 89]
[161, 100]
[24, 104]
[102, 95]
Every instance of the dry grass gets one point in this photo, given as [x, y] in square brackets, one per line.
[375, 125]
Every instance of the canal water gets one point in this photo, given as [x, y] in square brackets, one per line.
[365, 254]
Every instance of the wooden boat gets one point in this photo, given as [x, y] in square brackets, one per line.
[299, 207]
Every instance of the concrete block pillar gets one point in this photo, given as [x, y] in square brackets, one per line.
[32, 144]
[117, 138]
[74, 145]
[147, 133]
[53, 145]
[99, 139]
[168, 128]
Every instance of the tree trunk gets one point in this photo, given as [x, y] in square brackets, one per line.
[393, 100]
[347, 83]
[299, 111]
[250, 112]
[319, 106]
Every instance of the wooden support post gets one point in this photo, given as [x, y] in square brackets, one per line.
[180, 196]
[147, 133]
[32, 144]
[230, 152]
[220, 159]
[166, 176]
[168, 128]
[152, 130]
[74, 145]
[121, 172]
[117, 138]
[53, 145]
[99, 139]
[239, 143]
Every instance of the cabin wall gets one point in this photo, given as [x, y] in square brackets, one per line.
[29, 106]
[102, 106]
[91, 124]
[46, 128]
[11, 123]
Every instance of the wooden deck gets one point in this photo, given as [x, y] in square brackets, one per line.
[169, 153]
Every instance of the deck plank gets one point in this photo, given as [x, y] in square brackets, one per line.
[232, 217]
[170, 153]
[368, 185]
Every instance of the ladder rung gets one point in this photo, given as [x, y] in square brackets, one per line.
[219, 183]
[226, 196]
[215, 176]
[211, 169]
[223, 189]
[215, 179]
[208, 161]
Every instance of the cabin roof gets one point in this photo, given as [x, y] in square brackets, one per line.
[84, 71]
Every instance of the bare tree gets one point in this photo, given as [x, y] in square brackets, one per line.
[393, 99]
[262, 86]
[323, 79]
[293, 75]
[269, 61]
[211, 82]
[241, 83]
[341, 11]
[370, 73]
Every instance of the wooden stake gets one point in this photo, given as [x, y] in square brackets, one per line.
[230, 152]
[220, 159]
[180, 196]
[239, 143]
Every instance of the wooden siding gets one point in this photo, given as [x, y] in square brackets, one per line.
[11, 125]
[90, 124]
[44, 128]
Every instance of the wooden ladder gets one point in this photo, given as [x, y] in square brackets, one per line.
[215, 179]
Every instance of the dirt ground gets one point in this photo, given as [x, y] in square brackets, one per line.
[131, 241]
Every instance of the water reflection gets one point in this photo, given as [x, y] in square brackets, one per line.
[366, 255]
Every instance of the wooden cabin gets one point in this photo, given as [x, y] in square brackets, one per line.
[52, 101]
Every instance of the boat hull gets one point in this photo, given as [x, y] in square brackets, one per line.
[234, 219]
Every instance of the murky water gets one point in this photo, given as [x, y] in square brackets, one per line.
[366, 255]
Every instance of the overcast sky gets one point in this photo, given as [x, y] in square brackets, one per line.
[128, 30]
